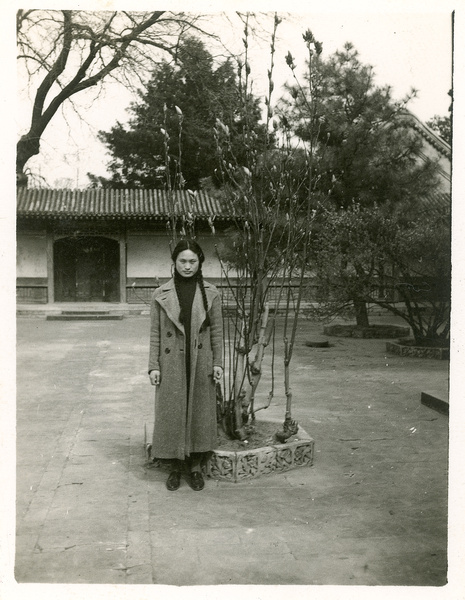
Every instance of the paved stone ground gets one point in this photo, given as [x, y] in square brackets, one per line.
[371, 511]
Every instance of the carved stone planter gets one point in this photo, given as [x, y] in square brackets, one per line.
[240, 465]
[403, 349]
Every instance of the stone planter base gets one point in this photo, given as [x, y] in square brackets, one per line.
[370, 332]
[417, 351]
[241, 465]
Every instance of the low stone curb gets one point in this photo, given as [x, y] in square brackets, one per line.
[235, 466]
[370, 332]
[417, 351]
[436, 401]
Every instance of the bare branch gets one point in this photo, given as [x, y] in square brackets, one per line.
[99, 44]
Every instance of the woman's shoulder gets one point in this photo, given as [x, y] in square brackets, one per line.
[211, 287]
[163, 289]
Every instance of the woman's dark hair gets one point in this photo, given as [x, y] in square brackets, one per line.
[186, 244]
[193, 246]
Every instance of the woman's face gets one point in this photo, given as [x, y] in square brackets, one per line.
[187, 263]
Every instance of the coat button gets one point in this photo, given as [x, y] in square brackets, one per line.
[169, 334]
[199, 346]
[167, 350]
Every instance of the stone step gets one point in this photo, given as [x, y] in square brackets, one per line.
[85, 317]
[85, 312]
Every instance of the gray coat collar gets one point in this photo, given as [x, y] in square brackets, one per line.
[167, 297]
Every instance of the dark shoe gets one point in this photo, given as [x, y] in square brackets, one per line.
[197, 482]
[174, 481]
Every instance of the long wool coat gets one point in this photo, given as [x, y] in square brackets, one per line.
[181, 426]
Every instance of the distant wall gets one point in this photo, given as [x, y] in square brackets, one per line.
[148, 256]
[31, 255]
[148, 263]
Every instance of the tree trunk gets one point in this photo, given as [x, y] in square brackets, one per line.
[27, 147]
[361, 313]
[21, 179]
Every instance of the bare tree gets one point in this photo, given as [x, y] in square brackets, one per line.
[62, 53]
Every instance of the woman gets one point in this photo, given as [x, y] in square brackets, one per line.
[186, 356]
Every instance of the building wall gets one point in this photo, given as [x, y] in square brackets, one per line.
[31, 255]
[149, 255]
[31, 268]
[211, 267]
[148, 262]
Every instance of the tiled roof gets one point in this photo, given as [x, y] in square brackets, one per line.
[119, 204]
[437, 200]
[427, 133]
[139, 204]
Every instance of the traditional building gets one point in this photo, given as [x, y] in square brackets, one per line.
[434, 148]
[102, 245]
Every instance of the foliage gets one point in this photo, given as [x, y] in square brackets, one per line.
[346, 260]
[366, 149]
[401, 263]
[365, 152]
[63, 53]
[201, 91]
[420, 255]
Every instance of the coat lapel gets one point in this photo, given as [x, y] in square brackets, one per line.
[168, 300]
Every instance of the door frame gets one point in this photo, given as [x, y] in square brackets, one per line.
[120, 238]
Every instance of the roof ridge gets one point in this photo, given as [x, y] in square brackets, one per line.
[115, 203]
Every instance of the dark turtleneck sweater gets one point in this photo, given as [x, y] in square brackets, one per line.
[185, 289]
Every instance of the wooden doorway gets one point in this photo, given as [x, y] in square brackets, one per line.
[86, 269]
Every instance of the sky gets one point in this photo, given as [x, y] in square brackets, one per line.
[408, 46]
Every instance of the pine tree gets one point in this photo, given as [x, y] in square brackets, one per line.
[367, 150]
[173, 123]
[366, 154]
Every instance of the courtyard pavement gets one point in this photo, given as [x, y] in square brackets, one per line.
[371, 511]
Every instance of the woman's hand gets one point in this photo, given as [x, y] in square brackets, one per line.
[217, 374]
[155, 377]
